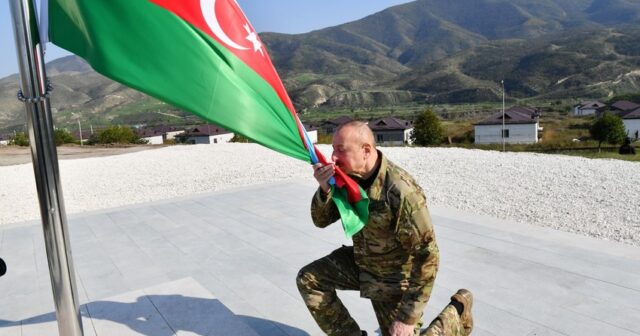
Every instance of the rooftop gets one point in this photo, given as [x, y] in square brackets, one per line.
[514, 115]
[591, 104]
[206, 130]
[632, 114]
[384, 124]
[624, 105]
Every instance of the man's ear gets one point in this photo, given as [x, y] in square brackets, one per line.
[367, 149]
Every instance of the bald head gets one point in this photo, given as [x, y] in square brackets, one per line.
[359, 132]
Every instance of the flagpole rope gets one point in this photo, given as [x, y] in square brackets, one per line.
[38, 99]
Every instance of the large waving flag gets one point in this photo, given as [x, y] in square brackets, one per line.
[202, 56]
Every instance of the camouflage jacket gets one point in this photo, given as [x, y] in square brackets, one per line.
[396, 251]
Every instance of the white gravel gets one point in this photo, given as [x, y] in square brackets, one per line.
[598, 198]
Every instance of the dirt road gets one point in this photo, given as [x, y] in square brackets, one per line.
[14, 155]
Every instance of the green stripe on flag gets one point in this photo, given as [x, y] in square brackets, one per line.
[150, 49]
[354, 216]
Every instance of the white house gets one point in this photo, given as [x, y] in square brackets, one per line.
[151, 136]
[206, 134]
[587, 108]
[631, 122]
[392, 131]
[168, 132]
[521, 127]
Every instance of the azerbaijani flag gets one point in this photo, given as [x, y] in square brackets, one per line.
[202, 56]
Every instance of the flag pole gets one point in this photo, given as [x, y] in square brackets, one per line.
[34, 93]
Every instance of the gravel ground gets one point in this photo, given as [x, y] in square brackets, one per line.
[598, 198]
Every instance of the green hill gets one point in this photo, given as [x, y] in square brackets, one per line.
[425, 51]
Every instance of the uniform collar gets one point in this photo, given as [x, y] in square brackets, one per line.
[375, 190]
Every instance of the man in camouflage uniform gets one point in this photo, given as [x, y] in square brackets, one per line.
[394, 258]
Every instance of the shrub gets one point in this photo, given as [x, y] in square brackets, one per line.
[238, 138]
[62, 136]
[116, 135]
[20, 139]
[427, 129]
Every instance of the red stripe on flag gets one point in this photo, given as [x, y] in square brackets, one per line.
[232, 26]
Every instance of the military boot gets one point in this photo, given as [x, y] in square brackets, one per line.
[465, 298]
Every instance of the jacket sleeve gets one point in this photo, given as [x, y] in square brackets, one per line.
[415, 233]
[323, 210]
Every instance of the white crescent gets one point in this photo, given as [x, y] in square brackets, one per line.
[208, 8]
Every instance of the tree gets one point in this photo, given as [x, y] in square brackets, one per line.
[20, 139]
[427, 129]
[609, 128]
[117, 135]
[62, 136]
[238, 138]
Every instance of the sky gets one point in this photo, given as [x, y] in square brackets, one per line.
[282, 16]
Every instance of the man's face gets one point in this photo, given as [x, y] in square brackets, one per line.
[348, 152]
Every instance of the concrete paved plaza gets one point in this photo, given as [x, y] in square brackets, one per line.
[225, 264]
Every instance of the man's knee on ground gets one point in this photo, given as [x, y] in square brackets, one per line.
[306, 278]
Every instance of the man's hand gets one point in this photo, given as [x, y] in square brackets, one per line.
[323, 173]
[400, 329]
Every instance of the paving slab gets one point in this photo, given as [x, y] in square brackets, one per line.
[239, 251]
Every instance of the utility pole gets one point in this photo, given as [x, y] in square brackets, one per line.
[504, 144]
[80, 130]
[34, 92]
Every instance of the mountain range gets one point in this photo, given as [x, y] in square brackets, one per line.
[425, 51]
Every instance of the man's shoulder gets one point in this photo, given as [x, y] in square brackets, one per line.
[400, 180]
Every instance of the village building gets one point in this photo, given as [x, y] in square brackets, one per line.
[588, 108]
[206, 134]
[619, 108]
[623, 106]
[168, 132]
[631, 120]
[150, 136]
[4, 139]
[392, 131]
[159, 135]
[521, 126]
[330, 126]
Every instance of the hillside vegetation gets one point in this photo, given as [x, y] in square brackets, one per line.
[422, 52]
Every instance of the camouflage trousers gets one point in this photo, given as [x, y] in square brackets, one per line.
[318, 282]
[448, 323]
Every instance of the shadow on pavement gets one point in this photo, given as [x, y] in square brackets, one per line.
[166, 315]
